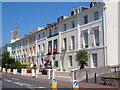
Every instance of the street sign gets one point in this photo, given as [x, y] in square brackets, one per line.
[75, 84]
[54, 83]
[54, 80]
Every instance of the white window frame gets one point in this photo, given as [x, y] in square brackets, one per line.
[96, 15]
[73, 24]
[72, 44]
[83, 38]
[65, 27]
[92, 32]
[95, 62]
[64, 43]
[70, 64]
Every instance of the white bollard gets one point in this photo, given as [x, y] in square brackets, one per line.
[25, 71]
[53, 73]
[33, 73]
[54, 80]
[4, 69]
[37, 72]
[74, 81]
[13, 71]
[22, 71]
[49, 73]
[72, 74]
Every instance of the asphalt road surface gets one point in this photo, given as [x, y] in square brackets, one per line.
[9, 81]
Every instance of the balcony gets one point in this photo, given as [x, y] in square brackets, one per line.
[55, 51]
[49, 51]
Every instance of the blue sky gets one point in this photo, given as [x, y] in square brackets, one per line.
[30, 15]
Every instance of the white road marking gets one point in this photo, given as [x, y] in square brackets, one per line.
[15, 78]
[23, 84]
[38, 87]
[7, 80]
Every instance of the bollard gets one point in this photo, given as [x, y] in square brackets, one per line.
[86, 77]
[14, 71]
[49, 73]
[4, 70]
[74, 82]
[33, 73]
[25, 71]
[54, 81]
[95, 78]
[37, 72]
[75, 85]
[22, 71]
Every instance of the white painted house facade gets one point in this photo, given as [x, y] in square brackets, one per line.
[93, 29]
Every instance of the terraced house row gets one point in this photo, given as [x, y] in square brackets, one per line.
[94, 29]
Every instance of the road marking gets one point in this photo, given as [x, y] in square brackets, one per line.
[7, 80]
[15, 78]
[18, 83]
[38, 87]
[22, 84]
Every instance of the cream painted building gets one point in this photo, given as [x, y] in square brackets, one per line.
[94, 29]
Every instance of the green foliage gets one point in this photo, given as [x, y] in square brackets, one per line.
[82, 58]
[23, 66]
[28, 67]
[6, 59]
[15, 65]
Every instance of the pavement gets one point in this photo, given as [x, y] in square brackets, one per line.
[61, 83]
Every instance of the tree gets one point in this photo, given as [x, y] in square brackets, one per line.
[82, 58]
[15, 65]
[7, 60]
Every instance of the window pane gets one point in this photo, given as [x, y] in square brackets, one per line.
[96, 15]
[64, 27]
[96, 32]
[65, 43]
[73, 24]
[94, 56]
[56, 63]
[73, 42]
[86, 39]
[85, 19]
[70, 60]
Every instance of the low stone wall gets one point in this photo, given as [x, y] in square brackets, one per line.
[110, 81]
[81, 74]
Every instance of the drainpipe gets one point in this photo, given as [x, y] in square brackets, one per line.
[78, 32]
[104, 35]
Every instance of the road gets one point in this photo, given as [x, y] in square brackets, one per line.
[10, 81]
